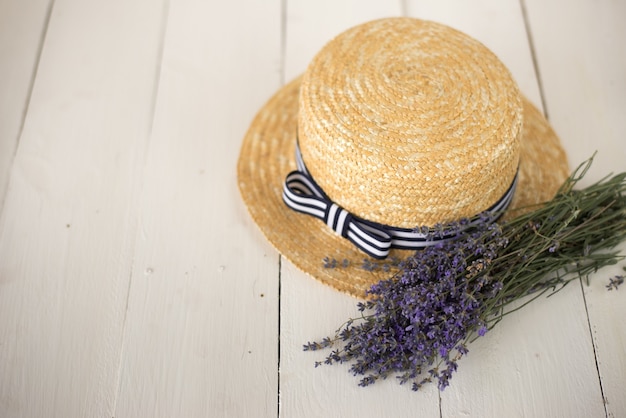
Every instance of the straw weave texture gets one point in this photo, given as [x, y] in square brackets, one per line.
[396, 145]
[406, 122]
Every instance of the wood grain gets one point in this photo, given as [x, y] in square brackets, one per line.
[134, 284]
[69, 221]
[22, 31]
[202, 325]
[582, 62]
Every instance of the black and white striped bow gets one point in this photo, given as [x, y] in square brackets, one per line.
[301, 193]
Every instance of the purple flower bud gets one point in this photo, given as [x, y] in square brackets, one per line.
[482, 330]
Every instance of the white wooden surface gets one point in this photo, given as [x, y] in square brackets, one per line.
[134, 284]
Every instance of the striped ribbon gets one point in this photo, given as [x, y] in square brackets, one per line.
[301, 193]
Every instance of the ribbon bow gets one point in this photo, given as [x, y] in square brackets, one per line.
[302, 194]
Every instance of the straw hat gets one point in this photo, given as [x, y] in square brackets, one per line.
[399, 122]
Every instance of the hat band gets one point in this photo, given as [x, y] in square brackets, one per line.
[302, 194]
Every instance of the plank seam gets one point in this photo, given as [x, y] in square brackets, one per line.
[119, 366]
[157, 79]
[404, 8]
[595, 352]
[531, 45]
[29, 94]
[439, 400]
[283, 40]
[283, 59]
[278, 350]
[139, 187]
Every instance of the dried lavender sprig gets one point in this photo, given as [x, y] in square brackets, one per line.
[584, 223]
[421, 319]
[400, 339]
[615, 282]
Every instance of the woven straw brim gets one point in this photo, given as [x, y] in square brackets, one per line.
[267, 156]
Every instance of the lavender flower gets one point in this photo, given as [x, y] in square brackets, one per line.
[417, 324]
[420, 320]
[615, 282]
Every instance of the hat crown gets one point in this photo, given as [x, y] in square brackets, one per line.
[408, 122]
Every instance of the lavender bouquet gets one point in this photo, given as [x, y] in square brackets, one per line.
[417, 324]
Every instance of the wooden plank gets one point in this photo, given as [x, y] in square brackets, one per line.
[582, 61]
[22, 28]
[310, 310]
[202, 325]
[69, 221]
[519, 369]
[537, 362]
